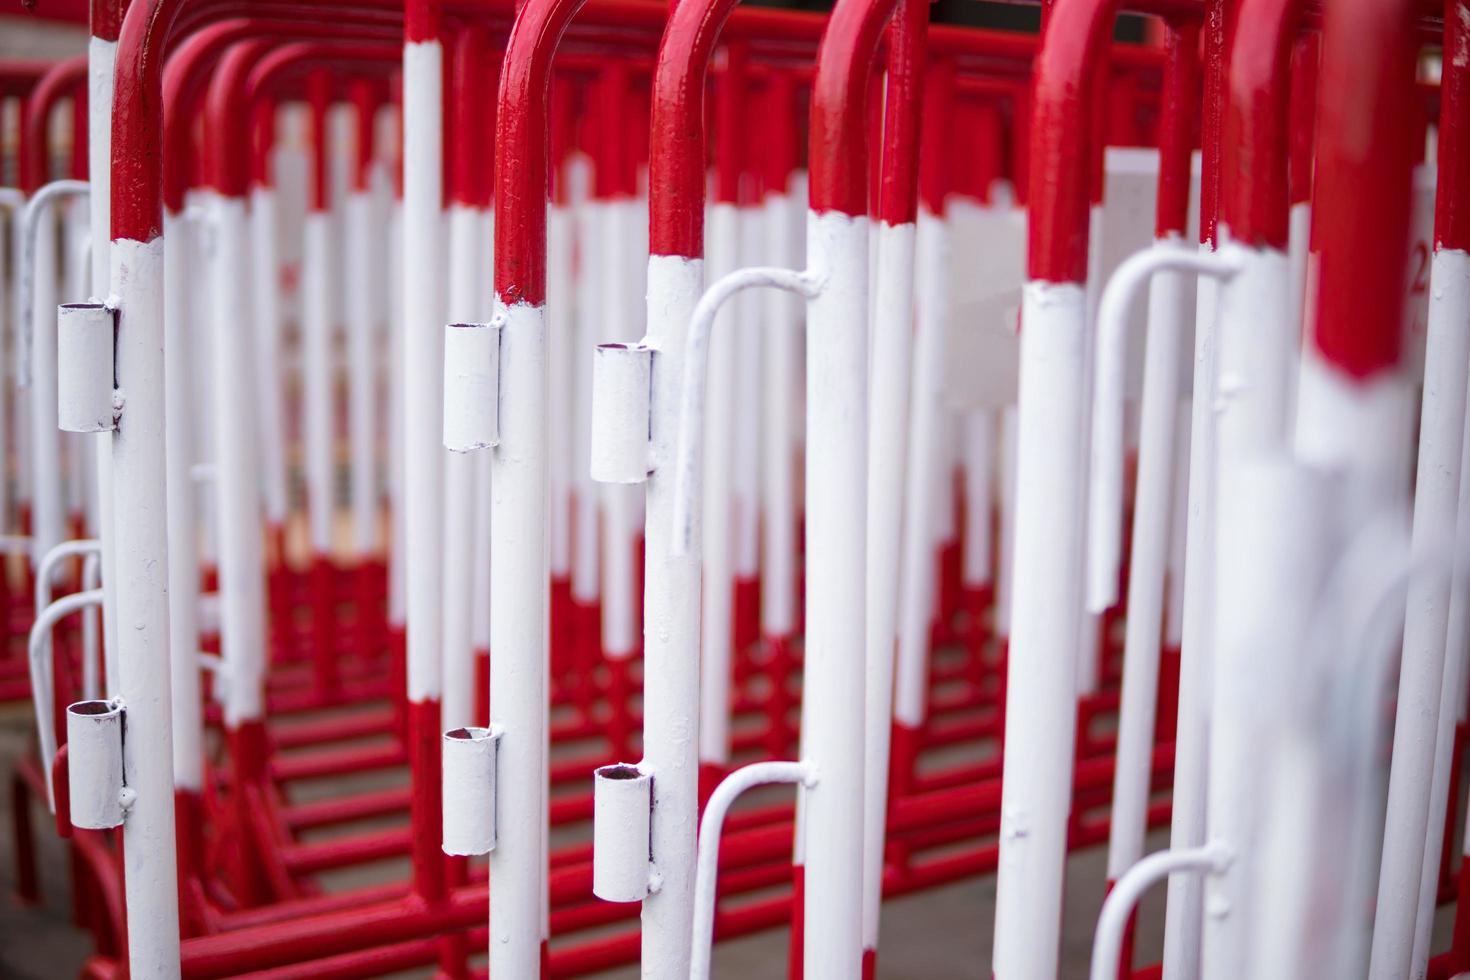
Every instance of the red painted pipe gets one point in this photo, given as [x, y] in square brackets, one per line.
[64, 79]
[1365, 160]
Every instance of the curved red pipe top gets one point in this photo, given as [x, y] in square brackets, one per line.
[521, 150]
[676, 147]
[730, 91]
[468, 182]
[366, 96]
[935, 156]
[137, 118]
[613, 167]
[838, 148]
[262, 141]
[1059, 160]
[1365, 165]
[319, 104]
[778, 112]
[226, 155]
[898, 183]
[1253, 199]
[1452, 197]
[65, 79]
[1176, 127]
[17, 78]
[563, 111]
[1305, 54]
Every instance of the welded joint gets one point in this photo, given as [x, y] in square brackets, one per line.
[95, 735]
[471, 757]
[1105, 501]
[472, 385]
[87, 399]
[688, 464]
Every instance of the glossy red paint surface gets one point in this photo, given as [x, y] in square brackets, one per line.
[676, 149]
[137, 120]
[1364, 165]
[1177, 127]
[105, 18]
[898, 184]
[1059, 178]
[1452, 200]
[837, 155]
[65, 79]
[522, 147]
[1219, 20]
[1253, 201]
[935, 157]
[1305, 55]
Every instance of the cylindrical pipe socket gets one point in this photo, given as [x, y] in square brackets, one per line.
[471, 386]
[94, 736]
[622, 802]
[621, 378]
[469, 790]
[84, 364]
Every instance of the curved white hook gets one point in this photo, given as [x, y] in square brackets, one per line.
[46, 565]
[1105, 504]
[688, 460]
[25, 288]
[1107, 943]
[38, 650]
[710, 825]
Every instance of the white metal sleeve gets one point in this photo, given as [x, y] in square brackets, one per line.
[1041, 689]
[94, 741]
[469, 767]
[423, 362]
[622, 797]
[836, 489]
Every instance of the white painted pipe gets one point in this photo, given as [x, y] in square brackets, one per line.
[620, 501]
[920, 462]
[1005, 581]
[781, 352]
[1253, 595]
[92, 634]
[76, 270]
[101, 63]
[43, 688]
[363, 279]
[671, 698]
[1183, 925]
[560, 242]
[519, 582]
[183, 528]
[265, 268]
[469, 759]
[622, 800]
[586, 495]
[1041, 688]
[710, 826]
[46, 567]
[1106, 499]
[1112, 922]
[893, 335]
[722, 237]
[232, 387]
[84, 363]
[318, 306]
[470, 421]
[197, 301]
[978, 451]
[1178, 520]
[12, 203]
[94, 741]
[746, 452]
[1430, 671]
